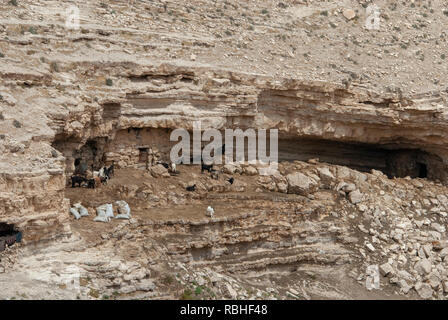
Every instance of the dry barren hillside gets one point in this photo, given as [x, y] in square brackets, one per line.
[363, 148]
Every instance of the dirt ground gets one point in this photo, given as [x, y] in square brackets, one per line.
[191, 206]
[263, 244]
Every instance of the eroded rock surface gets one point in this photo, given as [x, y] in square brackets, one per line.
[366, 106]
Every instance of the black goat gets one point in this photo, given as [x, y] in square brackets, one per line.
[110, 171]
[214, 174]
[191, 188]
[231, 180]
[104, 179]
[205, 167]
[91, 183]
[166, 165]
[77, 180]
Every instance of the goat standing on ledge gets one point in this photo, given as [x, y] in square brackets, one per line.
[77, 180]
[191, 188]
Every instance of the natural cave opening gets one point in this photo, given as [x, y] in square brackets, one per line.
[81, 157]
[8, 235]
[132, 147]
[393, 160]
[422, 170]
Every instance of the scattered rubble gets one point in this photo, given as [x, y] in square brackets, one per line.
[136, 72]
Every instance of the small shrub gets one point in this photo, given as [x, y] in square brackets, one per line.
[54, 67]
[442, 56]
[109, 82]
[2, 55]
[13, 2]
[168, 279]
[282, 5]
[324, 13]
[94, 293]
[264, 11]
[32, 30]
[186, 295]
[17, 124]
[198, 290]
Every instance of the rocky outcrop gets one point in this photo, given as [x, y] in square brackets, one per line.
[111, 92]
[297, 108]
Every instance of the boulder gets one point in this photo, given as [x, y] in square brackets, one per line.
[355, 197]
[146, 285]
[349, 14]
[386, 269]
[343, 173]
[438, 227]
[282, 187]
[424, 290]
[298, 183]
[250, 171]
[231, 168]
[348, 187]
[231, 293]
[326, 176]
[159, 171]
[445, 286]
[404, 286]
[434, 280]
[443, 253]
[423, 267]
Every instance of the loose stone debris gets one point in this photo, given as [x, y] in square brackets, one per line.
[361, 189]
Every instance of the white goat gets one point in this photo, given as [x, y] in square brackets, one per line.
[210, 212]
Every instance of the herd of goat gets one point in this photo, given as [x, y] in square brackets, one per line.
[105, 174]
[99, 177]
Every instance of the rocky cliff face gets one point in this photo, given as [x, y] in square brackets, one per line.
[165, 96]
[132, 73]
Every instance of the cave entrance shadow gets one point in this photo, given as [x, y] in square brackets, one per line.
[393, 160]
